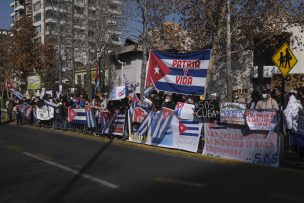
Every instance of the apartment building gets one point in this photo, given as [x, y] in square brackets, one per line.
[77, 28]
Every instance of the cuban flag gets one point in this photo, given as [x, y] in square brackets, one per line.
[118, 93]
[118, 125]
[148, 91]
[104, 117]
[183, 73]
[77, 116]
[184, 111]
[96, 82]
[90, 114]
[129, 89]
[140, 112]
[189, 128]
[28, 112]
[12, 90]
[160, 123]
[50, 103]
[145, 125]
[107, 128]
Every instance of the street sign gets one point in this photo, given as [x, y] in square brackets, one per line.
[284, 59]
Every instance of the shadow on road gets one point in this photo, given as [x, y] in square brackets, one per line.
[60, 195]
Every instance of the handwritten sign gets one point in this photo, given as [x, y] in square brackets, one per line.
[261, 119]
[292, 81]
[240, 143]
[207, 110]
[233, 113]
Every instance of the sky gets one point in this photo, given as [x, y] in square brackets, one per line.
[5, 11]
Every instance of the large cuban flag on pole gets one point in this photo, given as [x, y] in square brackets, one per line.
[184, 73]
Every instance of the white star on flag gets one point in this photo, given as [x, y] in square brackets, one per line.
[156, 69]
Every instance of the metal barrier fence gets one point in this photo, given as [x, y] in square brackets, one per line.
[292, 154]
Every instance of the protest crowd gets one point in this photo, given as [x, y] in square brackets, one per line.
[243, 130]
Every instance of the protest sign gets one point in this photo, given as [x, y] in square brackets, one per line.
[261, 119]
[45, 113]
[118, 93]
[207, 110]
[233, 113]
[180, 134]
[33, 82]
[240, 143]
[292, 81]
[184, 111]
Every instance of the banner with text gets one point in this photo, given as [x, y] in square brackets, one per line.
[261, 119]
[180, 134]
[240, 143]
[233, 113]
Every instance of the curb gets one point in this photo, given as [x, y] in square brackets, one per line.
[169, 151]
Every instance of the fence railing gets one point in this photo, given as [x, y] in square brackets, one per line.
[293, 154]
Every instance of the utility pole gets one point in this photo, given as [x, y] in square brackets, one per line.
[228, 70]
[72, 51]
[87, 48]
[145, 48]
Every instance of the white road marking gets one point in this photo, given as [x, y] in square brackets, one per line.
[287, 197]
[65, 168]
[180, 182]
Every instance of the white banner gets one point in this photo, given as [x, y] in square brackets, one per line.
[45, 113]
[118, 93]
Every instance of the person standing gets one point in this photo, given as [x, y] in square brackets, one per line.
[168, 102]
[267, 102]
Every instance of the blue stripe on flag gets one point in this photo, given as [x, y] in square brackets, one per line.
[191, 72]
[190, 134]
[200, 55]
[170, 87]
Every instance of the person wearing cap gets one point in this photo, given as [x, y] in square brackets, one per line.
[266, 101]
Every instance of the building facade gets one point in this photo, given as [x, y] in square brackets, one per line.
[78, 29]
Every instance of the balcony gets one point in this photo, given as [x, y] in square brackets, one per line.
[13, 14]
[116, 2]
[12, 4]
[19, 7]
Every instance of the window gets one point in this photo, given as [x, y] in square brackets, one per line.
[28, 9]
[79, 79]
[38, 29]
[37, 6]
[37, 17]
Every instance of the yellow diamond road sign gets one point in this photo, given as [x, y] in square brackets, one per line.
[284, 59]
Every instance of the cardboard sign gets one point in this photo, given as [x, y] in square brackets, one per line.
[261, 119]
[207, 110]
[233, 113]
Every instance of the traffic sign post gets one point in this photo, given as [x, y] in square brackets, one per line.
[285, 60]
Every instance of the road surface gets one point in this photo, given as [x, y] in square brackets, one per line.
[39, 165]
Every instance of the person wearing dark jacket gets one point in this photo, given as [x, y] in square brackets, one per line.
[169, 103]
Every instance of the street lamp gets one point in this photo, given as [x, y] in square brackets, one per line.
[122, 70]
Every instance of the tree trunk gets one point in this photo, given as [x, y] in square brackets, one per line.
[228, 70]
[145, 50]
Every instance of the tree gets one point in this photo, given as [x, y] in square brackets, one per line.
[150, 15]
[25, 56]
[252, 23]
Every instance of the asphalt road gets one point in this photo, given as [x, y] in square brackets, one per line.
[48, 166]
